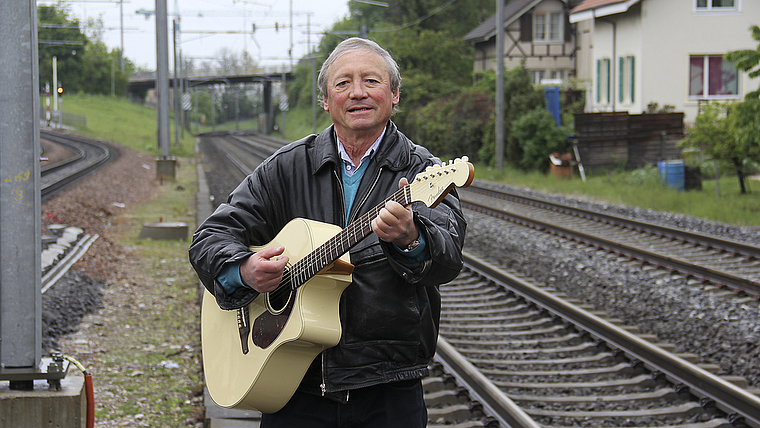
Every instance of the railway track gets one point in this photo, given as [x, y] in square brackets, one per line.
[729, 264]
[87, 156]
[566, 366]
[65, 245]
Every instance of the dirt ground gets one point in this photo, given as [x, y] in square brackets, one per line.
[128, 312]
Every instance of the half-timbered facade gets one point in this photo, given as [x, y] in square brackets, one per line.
[538, 36]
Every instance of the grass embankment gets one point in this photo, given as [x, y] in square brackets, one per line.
[135, 127]
[718, 200]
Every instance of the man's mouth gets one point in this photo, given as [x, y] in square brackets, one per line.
[358, 109]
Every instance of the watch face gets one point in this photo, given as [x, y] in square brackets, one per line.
[412, 245]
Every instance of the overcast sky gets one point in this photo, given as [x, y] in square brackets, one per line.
[266, 45]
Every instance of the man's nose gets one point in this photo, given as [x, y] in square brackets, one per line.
[358, 90]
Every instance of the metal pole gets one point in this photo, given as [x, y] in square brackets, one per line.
[313, 79]
[181, 91]
[162, 77]
[500, 84]
[284, 111]
[55, 84]
[175, 87]
[121, 23]
[20, 220]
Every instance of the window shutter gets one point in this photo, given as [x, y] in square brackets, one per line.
[568, 30]
[633, 77]
[608, 80]
[526, 27]
[621, 78]
[598, 81]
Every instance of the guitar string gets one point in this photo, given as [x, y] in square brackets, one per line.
[340, 243]
[334, 247]
[305, 268]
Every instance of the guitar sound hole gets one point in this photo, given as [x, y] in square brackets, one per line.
[278, 300]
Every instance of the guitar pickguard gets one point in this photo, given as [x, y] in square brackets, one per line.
[268, 326]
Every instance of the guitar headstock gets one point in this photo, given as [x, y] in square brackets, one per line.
[431, 186]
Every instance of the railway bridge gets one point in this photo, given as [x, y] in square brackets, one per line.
[141, 83]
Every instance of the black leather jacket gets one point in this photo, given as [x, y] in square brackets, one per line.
[390, 312]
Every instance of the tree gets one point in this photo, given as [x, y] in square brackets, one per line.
[83, 65]
[730, 133]
[537, 133]
[520, 97]
[748, 59]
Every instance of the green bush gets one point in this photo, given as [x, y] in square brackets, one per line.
[537, 133]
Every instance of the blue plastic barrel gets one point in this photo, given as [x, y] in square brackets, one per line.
[671, 173]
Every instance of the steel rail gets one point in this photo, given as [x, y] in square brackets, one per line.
[660, 260]
[104, 156]
[739, 404]
[498, 405]
[732, 247]
[79, 153]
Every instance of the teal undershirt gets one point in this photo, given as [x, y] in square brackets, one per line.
[230, 279]
[351, 186]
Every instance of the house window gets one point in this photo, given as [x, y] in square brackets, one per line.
[626, 79]
[703, 5]
[539, 27]
[538, 76]
[548, 27]
[603, 81]
[711, 76]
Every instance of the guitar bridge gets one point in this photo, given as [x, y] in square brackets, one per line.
[244, 327]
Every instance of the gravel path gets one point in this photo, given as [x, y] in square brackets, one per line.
[129, 317]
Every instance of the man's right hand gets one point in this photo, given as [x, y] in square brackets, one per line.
[263, 270]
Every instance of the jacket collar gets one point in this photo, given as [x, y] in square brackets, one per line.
[394, 151]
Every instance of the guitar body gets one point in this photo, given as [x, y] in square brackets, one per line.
[261, 370]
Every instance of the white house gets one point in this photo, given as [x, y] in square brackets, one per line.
[669, 52]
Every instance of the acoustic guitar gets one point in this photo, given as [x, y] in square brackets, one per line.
[255, 357]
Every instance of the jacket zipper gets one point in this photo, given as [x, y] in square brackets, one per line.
[323, 386]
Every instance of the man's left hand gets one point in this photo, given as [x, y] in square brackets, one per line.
[395, 223]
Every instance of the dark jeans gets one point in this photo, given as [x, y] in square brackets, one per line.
[381, 406]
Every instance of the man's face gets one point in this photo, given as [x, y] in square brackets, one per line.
[359, 96]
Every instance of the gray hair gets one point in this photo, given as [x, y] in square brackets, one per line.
[354, 44]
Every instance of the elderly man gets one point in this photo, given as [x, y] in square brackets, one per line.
[390, 312]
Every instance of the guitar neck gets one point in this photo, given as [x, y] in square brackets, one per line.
[327, 253]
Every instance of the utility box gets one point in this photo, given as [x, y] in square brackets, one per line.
[166, 168]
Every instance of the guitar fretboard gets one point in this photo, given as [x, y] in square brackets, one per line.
[330, 251]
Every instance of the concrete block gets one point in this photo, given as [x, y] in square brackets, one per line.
[166, 169]
[42, 407]
[164, 231]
